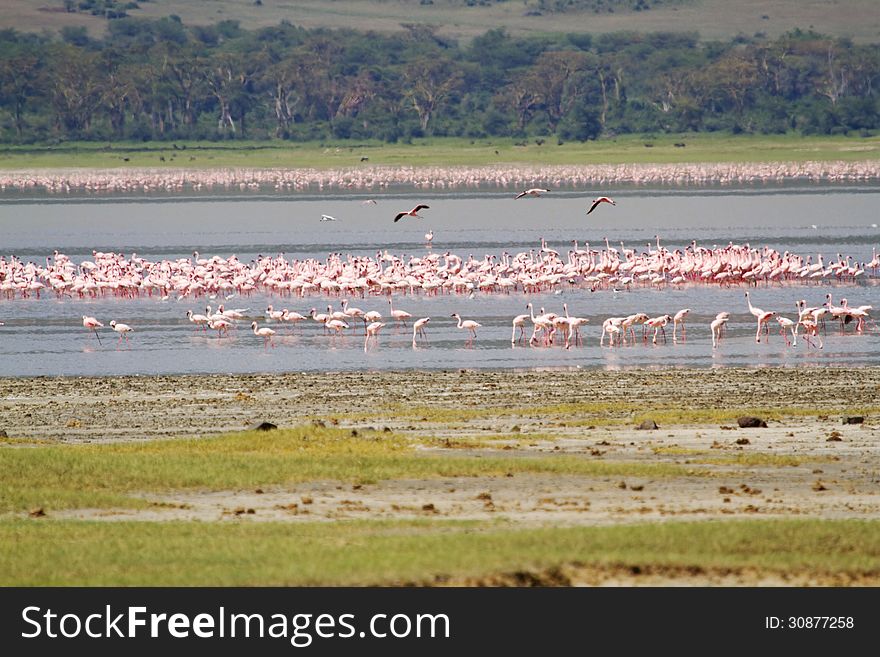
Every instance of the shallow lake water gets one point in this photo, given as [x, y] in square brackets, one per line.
[45, 336]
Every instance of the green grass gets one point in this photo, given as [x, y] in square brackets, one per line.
[602, 414]
[106, 475]
[67, 553]
[442, 151]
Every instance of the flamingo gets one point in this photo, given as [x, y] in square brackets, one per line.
[811, 330]
[271, 313]
[419, 329]
[238, 313]
[763, 320]
[411, 213]
[429, 236]
[467, 324]
[573, 324]
[677, 319]
[265, 333]
[518, 322]
[336, 324]
[292, 317]
[611, 327]
[597, 201]
[220, 325]
[658, 324]
[534, 191]
[122, 329]
[92, 324]
[785, 324]
[372, 331]
[717, 325]
[327, 217]
[762, 316]
[198, 320]
[399, 315]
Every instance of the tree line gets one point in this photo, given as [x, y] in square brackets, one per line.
[163, 80]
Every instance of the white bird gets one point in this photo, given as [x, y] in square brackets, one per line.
[429, 236]
[534, 191]
[411, 213]
[601, 199]
[327, 217]
[122, 329]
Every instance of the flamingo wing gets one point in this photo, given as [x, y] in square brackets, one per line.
[399, 215]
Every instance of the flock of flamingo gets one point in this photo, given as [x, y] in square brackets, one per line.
[546, 326]
[365, 178]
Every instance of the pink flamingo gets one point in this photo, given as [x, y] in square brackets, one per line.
[601, 199]
[785, 325]
[372, 332]
[265, 333]
[467, 324]
[717, 325]
[519, 322]
[411, 213]
[658, 324]
[92, 324]
[198, 320]
[534, 191]
[677, 319]
[399, 315]
[419, 329]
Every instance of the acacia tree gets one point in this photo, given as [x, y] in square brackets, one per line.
[21, 78]
[76, 88]
[428, 83]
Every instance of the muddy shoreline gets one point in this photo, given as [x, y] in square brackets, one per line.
[142, 407]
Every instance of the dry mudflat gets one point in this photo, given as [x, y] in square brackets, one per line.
[807, 463]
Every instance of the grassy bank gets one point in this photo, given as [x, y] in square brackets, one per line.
[659, 149]
[101, 476]
[381, 552]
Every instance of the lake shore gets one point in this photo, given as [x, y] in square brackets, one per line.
[554, 450]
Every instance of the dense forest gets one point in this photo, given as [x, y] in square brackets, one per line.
[163, 80]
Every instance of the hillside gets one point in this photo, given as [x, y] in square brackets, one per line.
[713, 19]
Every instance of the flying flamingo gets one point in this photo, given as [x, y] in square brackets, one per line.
[122, 329]
[534, 191]
[372, 331]
[265, 333]
[93, 324]
[411, 213]
[677, 319]
[419, 329]
[601, 199]
[467, 324]
[399, 315]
